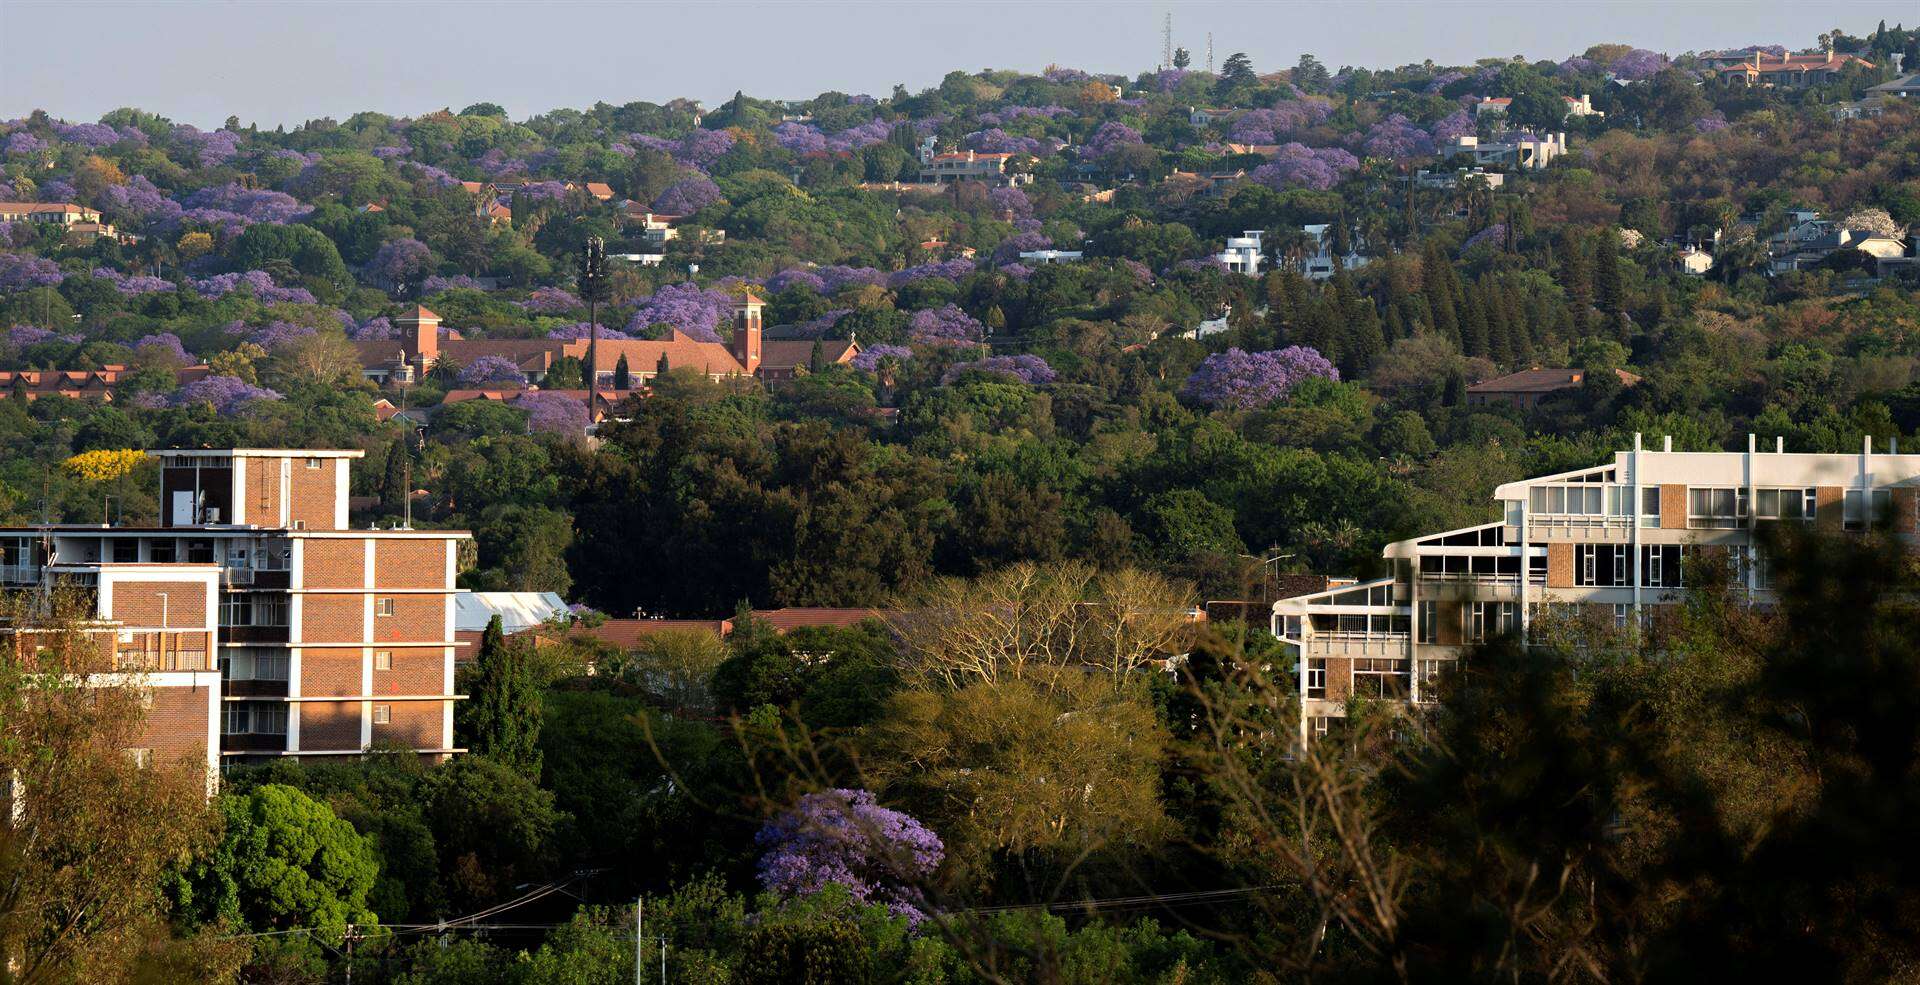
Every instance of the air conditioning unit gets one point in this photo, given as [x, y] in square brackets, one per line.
[212, 514]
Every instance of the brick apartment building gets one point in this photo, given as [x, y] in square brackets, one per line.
[266, 626]
[1602, 548]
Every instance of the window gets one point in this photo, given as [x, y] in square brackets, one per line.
[1317, 677]
[1489, 619]
[141, 758]
[382, 714]
[299, 524]
[1380, 677]
[1318, 725]
[126, 551]
[383, 660]
[162, 552]
[1600, 565]
[1856, 507]
[1620, 612]
[1430, 671]
[1429, 622]
[1783, 504]
[1716, 508]
[1650, 506]
[255, 718]
[383, 606]
[254, 665]
[313, 463]
[1575, 500]
[1663, 565]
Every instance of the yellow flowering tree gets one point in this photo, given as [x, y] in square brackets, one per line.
[104, 465]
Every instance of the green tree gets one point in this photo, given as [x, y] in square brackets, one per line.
[503, 710]
[1236, 78]
[285, 861]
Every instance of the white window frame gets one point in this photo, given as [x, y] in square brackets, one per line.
[383, 606]
[383, 660]
[382, 714]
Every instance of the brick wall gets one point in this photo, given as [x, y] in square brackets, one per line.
[313, 493]
[1339, 678]
[176, 725]
[138, 603]
[1560, 563]
[1906, 509]
[263, 492]
[1446, 616]
[329, 563]
[416, 618]
[1829, 507]
[416, 670]
[329, 725]
[325, 672]
[410, 563]
[1673, 507]
[417, 724]
[333, 618]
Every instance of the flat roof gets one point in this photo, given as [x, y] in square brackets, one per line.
[261, 452]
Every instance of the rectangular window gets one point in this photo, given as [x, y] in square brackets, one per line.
[1317, 677]
[1783, 504]
[383, 606]
[1716, 508]
[299, 524]
[162, 552]
[1856, 505]
[126, 551]
[313, 463]
[141, 758]
[382, 714]
[383, 660]
[1429, 622]
[1620, 612]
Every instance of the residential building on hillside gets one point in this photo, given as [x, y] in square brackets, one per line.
[1052, 256]
[1604, 548]
[83, 225]
[1790, 71]
[1529, 386]
[1323, 262]
[1694, 261]
[945, 169]
[1499, 105]
[265, 626]
[1512, 150]
[1447, 180]
[1243, 254]
[101, 384]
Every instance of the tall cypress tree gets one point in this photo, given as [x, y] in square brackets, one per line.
[1608, 293]
[622, 376]
[503, 709]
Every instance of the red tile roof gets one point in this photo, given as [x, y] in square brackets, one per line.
[1538, 380]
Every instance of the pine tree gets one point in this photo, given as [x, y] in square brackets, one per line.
[622, 376]
[660, 368]
[1607, 289]
[393, 482]
[1576, 279]
[503, 712]
[817, 358]
[1473, 323]
[1499, 326]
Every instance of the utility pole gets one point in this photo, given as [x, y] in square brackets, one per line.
[349, 954]
[639, 937]
[593, 290]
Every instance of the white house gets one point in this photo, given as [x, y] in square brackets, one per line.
[1694, 261]
[1320, 265]
[1243, 255]
[1516, 150]
[1498, 106]
[1052, 256]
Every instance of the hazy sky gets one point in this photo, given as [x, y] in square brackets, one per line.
[285, 62]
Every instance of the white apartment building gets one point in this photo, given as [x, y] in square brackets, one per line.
[1514, 150]
[1320, 265]
[1243, 254]
[1605, 544]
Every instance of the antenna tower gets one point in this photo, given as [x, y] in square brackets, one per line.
[1166, 41]
[1209, 52]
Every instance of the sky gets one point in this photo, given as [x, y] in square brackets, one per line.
[285, 62]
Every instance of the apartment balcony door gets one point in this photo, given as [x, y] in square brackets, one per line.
[183, 508]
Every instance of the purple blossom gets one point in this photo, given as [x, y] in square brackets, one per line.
[253, 205]
[542, 191]
[1245, 380]
[21, 336]
[1266, 126]
[580, 330]
[950, 269]
[389, 152]
[552, 412]
[208, 148]
[131, 286]
[1455, 124]
[497, 164]
[259, 281]
[945, 325]
[1297, 164]
[868, 360]
[1638, 64]
[1110, 137]
[492, 369]
[551, 301]
[1139, 270]
[800, 138]
[431, 174]
[278, 333]
[1494, 235]
[374, 330]
[1169, 79]
[57, 190]
[687, 196]
[1010, 199]
[133, 135]
[458, 282]
[400, 260]
[1578, 65]
[163, 344]
[22, 142]
[837, 276]
[865, 135]
[844, 838]
[997, 141]
[687, 308]
[1026, 368]
[1396, 137]
[139, 201]
[19, 271]
[87, 134]
[797, 277]
[1011, 113]
[1712, 123]
[1065, 76]
[227, 394]
[1017, 271]
[1010, 249]
[699, 148]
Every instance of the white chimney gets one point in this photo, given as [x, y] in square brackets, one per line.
[1666, 442]
[1898, 57]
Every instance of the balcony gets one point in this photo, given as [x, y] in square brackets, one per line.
[1572, 527]
[253, 742]
[254, 689]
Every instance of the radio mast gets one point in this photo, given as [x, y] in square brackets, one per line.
[1166, 42]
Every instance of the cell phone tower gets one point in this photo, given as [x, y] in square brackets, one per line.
[1209, 52]
[1166, 42]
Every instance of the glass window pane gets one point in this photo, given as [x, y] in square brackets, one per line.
[1556, 500]
[1593, 500]
[1768, 503]
[1538, 502]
